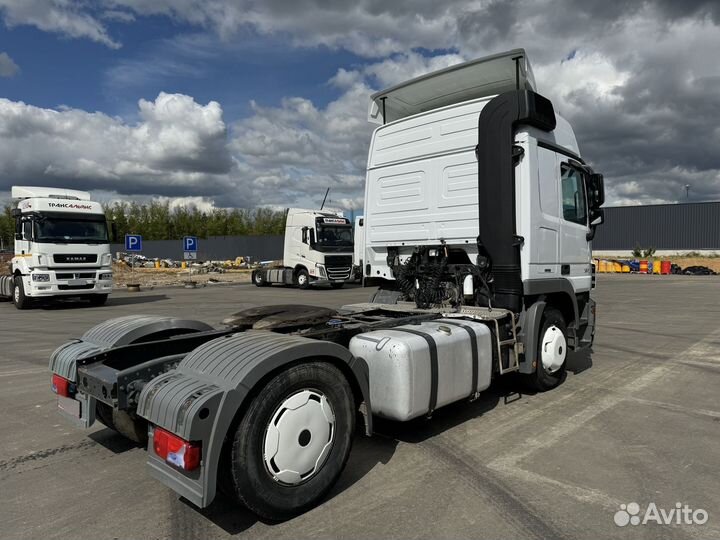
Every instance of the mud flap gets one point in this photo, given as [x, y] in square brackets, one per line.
[199, 400]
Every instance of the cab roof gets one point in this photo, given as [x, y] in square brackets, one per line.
[487, 76]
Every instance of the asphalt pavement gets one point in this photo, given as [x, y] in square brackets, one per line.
[636, 421]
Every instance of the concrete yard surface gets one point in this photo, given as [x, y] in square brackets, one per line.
[636, 421]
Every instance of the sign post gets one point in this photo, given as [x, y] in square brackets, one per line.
[133, 243]
[190, 247]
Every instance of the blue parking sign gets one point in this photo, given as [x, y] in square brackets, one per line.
[133, 242]
[190, 243]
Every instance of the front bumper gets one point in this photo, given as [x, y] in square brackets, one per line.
[67, 283]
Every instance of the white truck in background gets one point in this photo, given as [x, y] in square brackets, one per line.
[318, 250]
[62, 247]
[478, 219]
[358, 247]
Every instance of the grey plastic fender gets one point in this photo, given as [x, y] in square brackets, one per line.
[199, 400]
[529, 335]
[114, 333]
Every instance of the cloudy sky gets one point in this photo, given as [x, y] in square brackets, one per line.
[239, 103]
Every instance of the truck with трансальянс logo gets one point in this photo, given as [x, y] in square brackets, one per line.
[62, 248]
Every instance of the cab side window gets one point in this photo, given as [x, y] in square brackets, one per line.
[573, 196]
[27, 230]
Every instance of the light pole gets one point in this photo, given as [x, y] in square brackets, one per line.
[687, 191]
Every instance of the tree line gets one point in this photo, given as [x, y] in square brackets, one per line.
[158, 221]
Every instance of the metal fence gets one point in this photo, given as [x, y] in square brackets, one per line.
[259, 248]
[663, 226]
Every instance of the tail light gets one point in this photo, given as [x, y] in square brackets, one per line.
[62, 387]
[176, 451]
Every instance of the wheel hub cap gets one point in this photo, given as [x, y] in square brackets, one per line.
[299, 437]
[302, 279]
[16, 293]
[554, 349]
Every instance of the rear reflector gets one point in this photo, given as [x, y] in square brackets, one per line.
[175, 450]
[61, 386]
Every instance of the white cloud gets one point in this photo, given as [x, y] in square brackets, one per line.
[178, 147]
[631, 77]
[8, 67]
[61, 16]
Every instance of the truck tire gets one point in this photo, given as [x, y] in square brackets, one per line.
[302, 279]
[98, 299]
[293, 441]
[552, 352]
[259, 280]
[337, 285]
[130, 427]
[19, 299]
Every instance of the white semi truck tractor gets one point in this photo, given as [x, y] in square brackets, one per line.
[62, 248]
[478, 219]
[318, 250]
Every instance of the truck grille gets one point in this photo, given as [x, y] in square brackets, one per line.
[75, 258]
[75, 275]
[75, 287]
[338, 272]
[338, 260]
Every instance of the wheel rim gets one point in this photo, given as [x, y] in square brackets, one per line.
[554, 349]
[302, 279]
[258, 279]
[16, 293]
[299, 437]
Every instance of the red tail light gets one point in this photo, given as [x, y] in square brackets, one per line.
[60, 385]
[175, 450]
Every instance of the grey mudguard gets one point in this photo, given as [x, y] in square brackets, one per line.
[114, 333]
[201, 397]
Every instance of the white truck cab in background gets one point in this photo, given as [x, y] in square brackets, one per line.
[318, 250]
[62, 247]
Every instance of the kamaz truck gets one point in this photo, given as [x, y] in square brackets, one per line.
[62, 248]
[318, 250]
[478, 220]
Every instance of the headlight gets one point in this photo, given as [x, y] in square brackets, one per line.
[321, 270]
[106, 277]
[41, 277]
[106, 259]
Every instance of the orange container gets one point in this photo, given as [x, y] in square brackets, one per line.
[626, 268]
[617, 267]
[656, 267]
[643, 267]
[602, 266]
[665, 267]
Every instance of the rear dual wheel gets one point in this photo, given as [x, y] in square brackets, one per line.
[293, 441]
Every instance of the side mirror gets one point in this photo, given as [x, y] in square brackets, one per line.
[312, 237]
[304, 235]
[114, 231]
[15, 213]
[596, 190]
[18, 236]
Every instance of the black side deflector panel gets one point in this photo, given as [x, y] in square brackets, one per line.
[497, 240]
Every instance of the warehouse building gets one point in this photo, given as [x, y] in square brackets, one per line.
[673, 228]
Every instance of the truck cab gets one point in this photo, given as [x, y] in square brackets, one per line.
[476, 194]
[318, 250]
[61, 247]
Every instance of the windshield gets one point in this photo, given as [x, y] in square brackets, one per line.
[334, 236]
[70, 230]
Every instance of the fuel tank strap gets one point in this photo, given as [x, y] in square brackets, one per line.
[434, 368]
[473, 351]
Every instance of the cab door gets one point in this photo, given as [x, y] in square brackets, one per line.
[574, 245]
